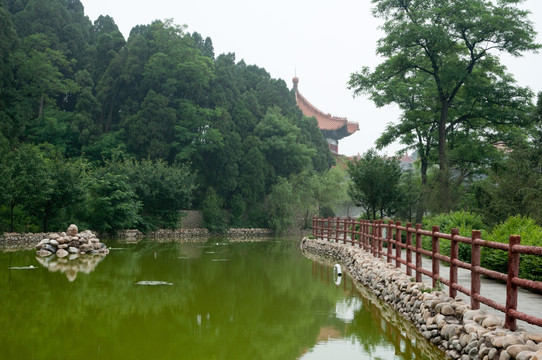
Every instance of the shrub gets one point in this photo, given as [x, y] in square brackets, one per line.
[531, 234]
[465, 221]
[214, 216]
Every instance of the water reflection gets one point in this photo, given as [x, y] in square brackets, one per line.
[361, 329]
[72, 265]
[266, 302]
[346, 308]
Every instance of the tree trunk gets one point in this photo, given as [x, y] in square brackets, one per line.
[424, 165]
[444, 176]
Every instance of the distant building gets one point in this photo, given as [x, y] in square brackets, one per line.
[406, 162]
[333, 128]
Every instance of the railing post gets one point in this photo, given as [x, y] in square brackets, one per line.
[389, 236]
[321, 227]
[380, 241]
[329, 229]
[397, 244]
[511, 288]
[374, 243]
[435, 250]
[418, 253]
[314, 226]
[336, 221]
[454, 254]
[475, 275]
[408, 251]
[374, 235]
[353, 232]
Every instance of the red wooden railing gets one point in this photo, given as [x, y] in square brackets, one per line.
[368, 235]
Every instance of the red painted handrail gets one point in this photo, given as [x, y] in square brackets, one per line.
[370, 236]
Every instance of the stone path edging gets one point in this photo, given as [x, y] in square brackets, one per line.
[447, 323]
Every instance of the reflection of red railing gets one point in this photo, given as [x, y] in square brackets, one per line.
[368, 235]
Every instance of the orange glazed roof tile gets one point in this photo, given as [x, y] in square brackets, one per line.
[325, 121]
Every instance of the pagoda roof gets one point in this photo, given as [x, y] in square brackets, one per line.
[326, 122]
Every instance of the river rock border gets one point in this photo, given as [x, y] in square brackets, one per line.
[447, 323]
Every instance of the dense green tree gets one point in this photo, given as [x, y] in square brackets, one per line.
[39, 78]
[375, 181]
[437, 38]
[106, 42]
[9, 42]
[514, 186]
[281, 204]
[281, 145]
[113, 118]
[253, 171]
[25, 180]
[62, 22]
[149, 131]
[67, 193]
[112, 203]
[214, 216]
[163, 190]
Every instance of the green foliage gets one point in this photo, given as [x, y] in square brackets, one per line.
[112, 203]
[531, 235]
[506, 196]
[281, 206]
[215, 218]
[375, 181]
[25, 181]
[103, 122]
[449, 84]
[465, 221]
[280, 144]
[163, 190]
[238, 208]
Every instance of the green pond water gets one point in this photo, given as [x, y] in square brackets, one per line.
[220, 300]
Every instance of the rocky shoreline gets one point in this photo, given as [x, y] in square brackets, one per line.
[449, 324]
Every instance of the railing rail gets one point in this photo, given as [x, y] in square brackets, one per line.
[372, 235]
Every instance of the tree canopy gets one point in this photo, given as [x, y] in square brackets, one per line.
[136, 129]
[441, 67]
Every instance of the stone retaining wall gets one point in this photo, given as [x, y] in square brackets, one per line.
[447, 323]
[193, 233]
[16, 241]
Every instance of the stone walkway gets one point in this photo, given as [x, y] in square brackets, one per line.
[528, 302]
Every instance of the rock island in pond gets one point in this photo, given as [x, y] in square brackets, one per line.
[71, 242]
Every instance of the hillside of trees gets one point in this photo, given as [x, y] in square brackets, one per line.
[114, 133]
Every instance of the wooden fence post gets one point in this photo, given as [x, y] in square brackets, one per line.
[408, 251]
[397, 244]
[454, 255]
[374, 242]
[475, 275]
[336, 227]
[389, 236]
[380, 241]
[418, 254]
[511, 288]
[436, 263]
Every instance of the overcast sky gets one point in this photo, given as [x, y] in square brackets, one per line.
[322, 41]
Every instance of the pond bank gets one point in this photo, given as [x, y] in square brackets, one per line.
[26, 241]
[447, 323]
